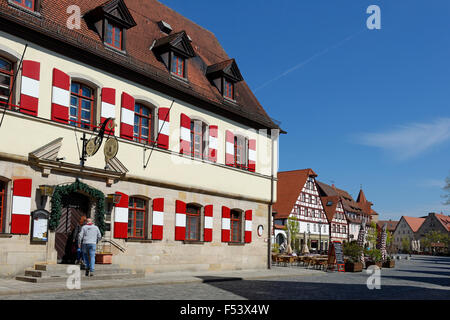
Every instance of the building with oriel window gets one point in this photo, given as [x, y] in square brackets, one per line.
[127, 112]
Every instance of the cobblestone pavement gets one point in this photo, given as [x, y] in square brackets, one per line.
[422, 277]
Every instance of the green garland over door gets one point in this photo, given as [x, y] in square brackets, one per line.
[61, 191]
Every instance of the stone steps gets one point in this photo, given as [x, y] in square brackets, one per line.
[43, 273]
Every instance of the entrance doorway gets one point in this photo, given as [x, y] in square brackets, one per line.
[74, 206]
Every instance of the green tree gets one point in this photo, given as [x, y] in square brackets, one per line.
[292, 229]
[434, 237]
[406, 245]
[372, 235]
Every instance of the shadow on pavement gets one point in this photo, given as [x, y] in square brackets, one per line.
[208, 279]
[438, 273]
[291, 290]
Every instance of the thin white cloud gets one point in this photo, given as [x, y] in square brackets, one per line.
[409, 140]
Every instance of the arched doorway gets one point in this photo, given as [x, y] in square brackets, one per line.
[74, 206]
[280, 239]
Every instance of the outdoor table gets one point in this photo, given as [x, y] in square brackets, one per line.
[286, 259]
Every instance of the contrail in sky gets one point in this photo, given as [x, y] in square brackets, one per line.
[303, 63]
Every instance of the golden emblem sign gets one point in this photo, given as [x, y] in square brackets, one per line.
[92, 147]
[111, 148]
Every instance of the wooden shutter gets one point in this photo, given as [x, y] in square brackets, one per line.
[185, 135]
[29, 92]
[21, 206]
[158, 219]
[163, 128]
[229, 148]
[121, 217]
[252, 155]
[180, 220]
[60, 96]
[226, 224]
[248, 226]
[213, 143]
[127, 116]
[208, 229]
[108, 106]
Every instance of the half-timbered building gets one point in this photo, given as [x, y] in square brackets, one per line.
[298, 197]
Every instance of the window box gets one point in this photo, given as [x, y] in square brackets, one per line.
[236, 243]
[193, 242]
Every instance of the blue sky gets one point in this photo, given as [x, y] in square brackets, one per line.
[361, 107]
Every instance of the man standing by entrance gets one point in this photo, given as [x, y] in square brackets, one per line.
[87, 240]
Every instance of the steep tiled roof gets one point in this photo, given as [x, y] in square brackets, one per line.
[289, 186]
[139, 59]
[391, 225]
[445, 220]
[413, 222]
[329, 205]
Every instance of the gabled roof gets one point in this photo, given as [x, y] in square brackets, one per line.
[325, 189]
[391, 225]
[228, 68]
[116, 11]
[413, 222]
[289, 187]
[176, 41]
[444, 220]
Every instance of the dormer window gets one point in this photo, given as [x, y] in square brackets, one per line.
[224, 75]
[228, 89]
[173, 51]
[29, 4]
[113, 35]
[177, 65]
[111, 21]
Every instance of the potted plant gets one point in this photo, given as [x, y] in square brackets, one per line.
[353, 252]
[375, 257]
[389, 263]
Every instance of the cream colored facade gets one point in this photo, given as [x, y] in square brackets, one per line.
[168, 174]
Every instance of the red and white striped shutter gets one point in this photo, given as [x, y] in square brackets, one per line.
[226, 224]
[21, 206]
[121, 217]
[29, 92]
[127, 116]
[229, 148]
[180, 220]
[158, 219]
[252, 155]
[185, 135]
[213, 143]
[163, 127]
[248, 226]
[108, 106]
[60, 96]
[208, 229]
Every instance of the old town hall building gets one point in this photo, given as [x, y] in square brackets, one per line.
[177, 165]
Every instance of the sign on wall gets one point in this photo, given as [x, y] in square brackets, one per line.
[39, 225]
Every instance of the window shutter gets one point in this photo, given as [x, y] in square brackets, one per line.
[185, 135]
[158, 219]
[121, 217]
[108, 106]
[21, 206]
[252, 155]
[212, 143]
[163, 128]
[180, 220]
[248, 226]
[60, 96]
[127, 117]
[226, 224]
[29, 93]
[208, 229]
[229, 148]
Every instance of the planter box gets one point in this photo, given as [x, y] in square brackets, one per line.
[353, 267]
[103, 258]
[389, 264]
[378, 264]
